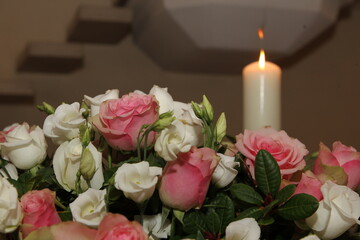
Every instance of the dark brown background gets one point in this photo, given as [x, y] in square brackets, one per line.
[320, 87]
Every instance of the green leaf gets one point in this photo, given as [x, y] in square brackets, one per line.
[19, 187]
[246, 194]
[270, 206]
[300, 206]
[114, 194]
[194, 221]
[179, 215]
[102, 144]
[213, 222]
[109, 174]
[155, 161]
[27, 181]
[285, 193]
[65, 215]
[266, 221]
[253, 212]
[224, 207]
[310, 161]
[164, 214]
[199, 236]
[130, 160]
[267, 173]
[45, 178]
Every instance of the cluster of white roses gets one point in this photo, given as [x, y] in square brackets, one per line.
[183, 133]
[26, 147]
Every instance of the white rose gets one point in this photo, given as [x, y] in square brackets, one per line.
[178, 137]
[310, 237]
[137, 180]
[185, 113]
[244, 229]
[95, 102]
[337, 212]
[10, 210]
[11, 170]
[165, 100]
[182, 111]
[25, 147]
[64, 124]
[66, 163]
[224, 172]
[89, 208]
[152, 224]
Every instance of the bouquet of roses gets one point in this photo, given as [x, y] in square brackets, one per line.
[144, 166]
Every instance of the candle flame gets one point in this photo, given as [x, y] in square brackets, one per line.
[262, 59]
[261, 33]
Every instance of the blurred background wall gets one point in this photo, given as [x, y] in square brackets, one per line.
[320, 88]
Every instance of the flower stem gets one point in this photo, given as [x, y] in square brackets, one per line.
[145, 142]
[142, 207]
[109, 157]
[77, 184]
[172, 230]
[140, 138]
[107, 198]
[59, 204]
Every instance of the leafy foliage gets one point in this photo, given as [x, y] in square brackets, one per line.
[285, 193]
[194, 221]
[267, 173]
[246, 194]
[224, 208]
[300, 206]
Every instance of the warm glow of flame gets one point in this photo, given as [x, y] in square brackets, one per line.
[261, 33]
[262, 59]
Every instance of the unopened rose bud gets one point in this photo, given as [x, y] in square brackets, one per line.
[86, 113]
[209, 111]
[47, 108]
[87, 165]
[197, 109]
[85, 133]
[221, 127]
[166, 115]
[163, 123]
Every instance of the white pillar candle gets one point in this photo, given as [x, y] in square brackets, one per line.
[262, 94]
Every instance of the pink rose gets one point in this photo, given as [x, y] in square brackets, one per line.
[63, 231]
[39, 210]
[118, 227]
[341, 165]
[6, 131]
[185, 181]
[310, 184]
[120, 120]
[288, 152]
